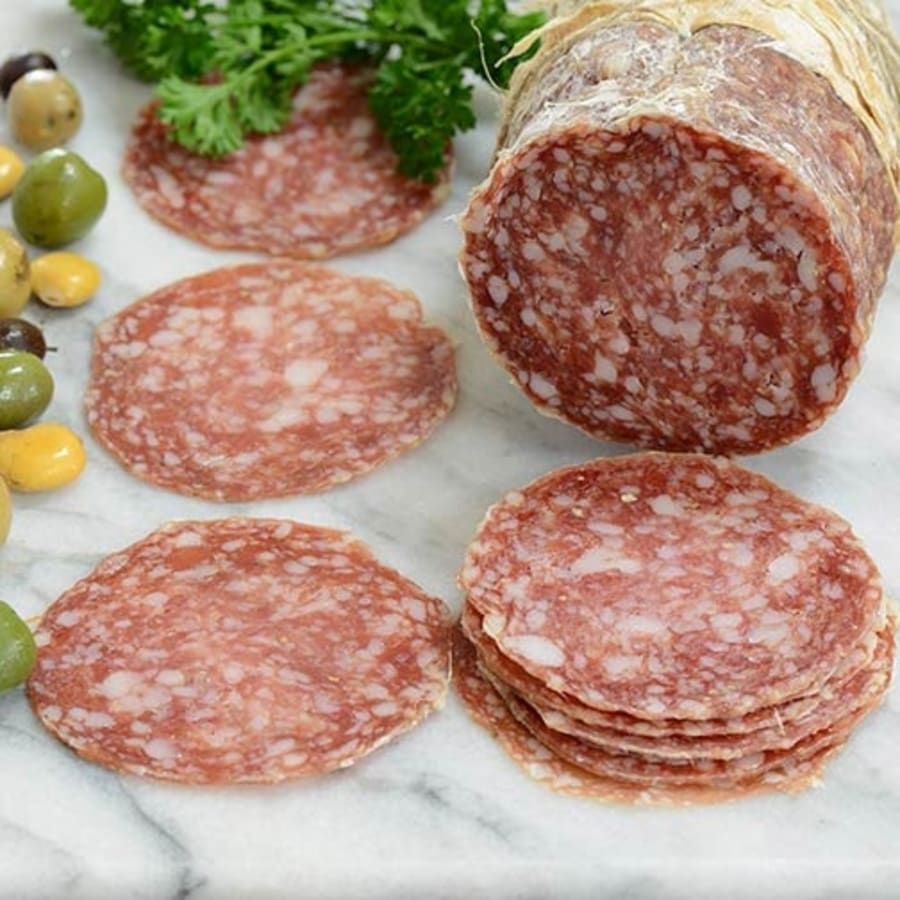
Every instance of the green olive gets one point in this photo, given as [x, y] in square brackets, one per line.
[58, 199]
[15, 275]
[17, 648]
[44, 109]
[26, 388]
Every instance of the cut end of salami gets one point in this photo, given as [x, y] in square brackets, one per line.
[671, 624]
[682, 240]
[267, 379]
[327, 184]
[239, 650]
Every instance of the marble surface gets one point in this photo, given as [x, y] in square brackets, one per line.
[442, 813]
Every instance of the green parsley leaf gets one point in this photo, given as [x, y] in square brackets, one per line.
[228, 68]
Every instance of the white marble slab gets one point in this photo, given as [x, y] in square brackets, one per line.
[442, 813]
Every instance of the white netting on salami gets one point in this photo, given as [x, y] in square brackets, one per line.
[239, 650]
[682, 240]
[327, 184]
[489, 710]
[671, 586]
[267, 379]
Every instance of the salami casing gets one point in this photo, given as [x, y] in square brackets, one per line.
[238, 650]
[686, 228]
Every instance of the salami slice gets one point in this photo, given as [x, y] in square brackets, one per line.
[861, 692]
[267, 379]
[686, 229]
[238, 650]
[704, 773]
[327, 184]
[558, 710]
[488, 709]
[671, 586]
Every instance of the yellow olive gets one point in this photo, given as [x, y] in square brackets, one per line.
[41, 458]
[15, 271]
[11, 169]
[44, 109]
[64, 279]
[5, 511]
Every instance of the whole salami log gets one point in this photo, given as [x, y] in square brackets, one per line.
[672, 621]
[691, 216]
[326, 184]
[267, 379]
[238, 650]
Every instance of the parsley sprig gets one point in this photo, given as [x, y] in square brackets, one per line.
[226, 70]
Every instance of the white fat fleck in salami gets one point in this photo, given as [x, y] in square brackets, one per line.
[326, 184]
[682, 240]
[238, 650]
[671, 586]
[267, 379]
[490, 711]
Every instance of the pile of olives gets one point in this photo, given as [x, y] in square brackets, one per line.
[56, 199]
[41, 457]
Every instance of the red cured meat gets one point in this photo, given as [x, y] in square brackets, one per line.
[862, 691]
[267, 379]
[238, 650]
[704, 773]
[671, 586]
[487, 708]
[557, 709]
[682, 240]
[327, 184]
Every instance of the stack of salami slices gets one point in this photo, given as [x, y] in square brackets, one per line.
[671, 629]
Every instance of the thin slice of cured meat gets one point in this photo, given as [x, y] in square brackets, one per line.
[267, 379]
[685, 232]
[488, 709]
[326, 184]
[552, 705]
[238, 650]
[671, 586]
[862, 690]
[705, 773]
